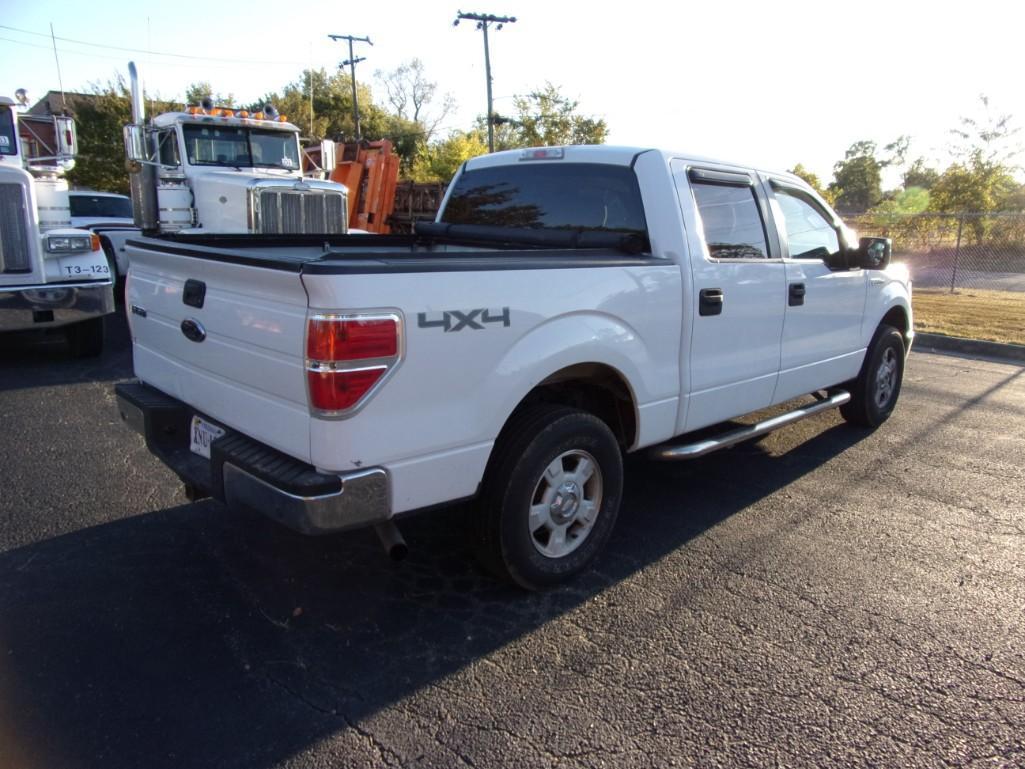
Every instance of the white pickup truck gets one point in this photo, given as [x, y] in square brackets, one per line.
[568, 304]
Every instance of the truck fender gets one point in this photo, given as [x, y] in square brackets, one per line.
[585, 337]
[890, 305]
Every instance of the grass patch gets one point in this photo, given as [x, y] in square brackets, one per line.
[997, 316]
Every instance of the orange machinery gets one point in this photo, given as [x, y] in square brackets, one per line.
[370, 170]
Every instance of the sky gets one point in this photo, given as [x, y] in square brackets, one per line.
[766, 83]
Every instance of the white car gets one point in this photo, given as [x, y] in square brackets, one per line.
[91, 209]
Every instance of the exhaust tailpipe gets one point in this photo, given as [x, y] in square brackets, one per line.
[391, 540]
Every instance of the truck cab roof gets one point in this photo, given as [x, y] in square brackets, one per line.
[168, 119]
[607, 154]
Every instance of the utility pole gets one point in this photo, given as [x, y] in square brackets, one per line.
[352, 61]
[483, 21]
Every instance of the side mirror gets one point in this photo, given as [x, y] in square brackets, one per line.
[135, 148]
[874, 253]
[327, 157]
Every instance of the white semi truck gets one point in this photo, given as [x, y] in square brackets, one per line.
[215, 170]
[51, 275]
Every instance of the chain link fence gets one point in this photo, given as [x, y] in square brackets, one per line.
[955, 251]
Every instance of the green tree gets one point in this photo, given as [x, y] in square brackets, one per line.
[813, 181]
[981, 178]
[101, 156]
[913, 200]
[921, 175]
[439, 161]
[198, 91]
[1013, 200]
[857, 179]
[546, 118]
[971, 187]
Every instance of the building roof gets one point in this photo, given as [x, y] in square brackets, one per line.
[55, 103]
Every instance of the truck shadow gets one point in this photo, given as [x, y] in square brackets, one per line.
[42, 359]
[194, 636]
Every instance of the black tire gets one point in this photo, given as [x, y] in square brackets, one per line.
[874, 393]
[516, 480]
[85, 338]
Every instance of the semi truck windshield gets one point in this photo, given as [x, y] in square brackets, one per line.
[210, 145]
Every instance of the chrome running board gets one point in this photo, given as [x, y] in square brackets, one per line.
[707, 446]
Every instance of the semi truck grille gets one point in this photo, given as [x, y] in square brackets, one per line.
[290, 212]
[14, 251]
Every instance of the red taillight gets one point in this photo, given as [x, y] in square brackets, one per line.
[338, 351]
[340, 389]
[335, 339]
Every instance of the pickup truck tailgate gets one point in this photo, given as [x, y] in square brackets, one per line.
[225, 338]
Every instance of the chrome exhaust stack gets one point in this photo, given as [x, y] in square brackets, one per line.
[141, 168]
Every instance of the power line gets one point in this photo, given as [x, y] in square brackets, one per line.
[139, 50]
[484, 20]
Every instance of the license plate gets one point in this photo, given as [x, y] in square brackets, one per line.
[203, 434]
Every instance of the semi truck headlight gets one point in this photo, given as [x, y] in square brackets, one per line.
[62, 244]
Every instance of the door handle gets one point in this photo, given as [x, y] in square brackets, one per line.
[796, 295]
[710, 301]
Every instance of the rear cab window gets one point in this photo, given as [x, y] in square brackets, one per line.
[584, 197]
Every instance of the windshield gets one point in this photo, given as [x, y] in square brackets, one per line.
[235, 147]
[100, 205]
[575, 196]
[8, 139]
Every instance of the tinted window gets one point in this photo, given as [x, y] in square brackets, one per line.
[731, 221]
[8, 141]
[551, 195]
[810, 235]
[100, 205]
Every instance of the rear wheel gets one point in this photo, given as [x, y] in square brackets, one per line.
[85, 338]
[550, 497]
[874, 393]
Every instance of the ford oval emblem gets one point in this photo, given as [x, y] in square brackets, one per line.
[193, 330]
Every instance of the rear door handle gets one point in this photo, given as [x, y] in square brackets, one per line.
[796, 295]
[710, 301]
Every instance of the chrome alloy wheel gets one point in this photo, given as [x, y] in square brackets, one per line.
[565, 503]
[886, 378]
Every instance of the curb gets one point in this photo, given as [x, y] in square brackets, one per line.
[943, 343]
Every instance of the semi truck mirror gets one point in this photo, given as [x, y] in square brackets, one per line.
[135, 148]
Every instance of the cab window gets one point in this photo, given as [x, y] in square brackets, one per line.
[731, 221]
[809, 233]
[167, 145]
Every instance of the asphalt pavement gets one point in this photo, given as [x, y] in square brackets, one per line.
[826, 596]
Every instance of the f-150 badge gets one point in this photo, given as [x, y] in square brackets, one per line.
[457, 320]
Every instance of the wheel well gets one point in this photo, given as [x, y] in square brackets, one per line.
[897, 318]
[592, 387]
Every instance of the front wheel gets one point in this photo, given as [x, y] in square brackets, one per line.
[550, 497]
[875, 391]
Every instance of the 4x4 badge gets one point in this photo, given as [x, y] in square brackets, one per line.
[457, 320]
